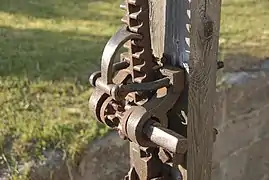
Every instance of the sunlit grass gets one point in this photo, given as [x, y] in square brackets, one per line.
[23, 22]
[245, 27]
[47, 50]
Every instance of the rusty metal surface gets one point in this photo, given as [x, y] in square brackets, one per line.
[135, 95]
[165, 138]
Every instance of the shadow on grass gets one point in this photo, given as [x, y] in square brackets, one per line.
[53, 55]
[67, 9]
[48, 55]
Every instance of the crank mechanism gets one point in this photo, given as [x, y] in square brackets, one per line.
[134, 95]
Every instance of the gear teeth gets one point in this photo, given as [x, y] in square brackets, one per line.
[139, 55]
[127, 45]
[139, 79]
[135, 29]
[132, 2]
[125, 19]
[125, 57]
[139, 67]
[123, 6]
[135, 15]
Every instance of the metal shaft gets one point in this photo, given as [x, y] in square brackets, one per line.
[165, 138]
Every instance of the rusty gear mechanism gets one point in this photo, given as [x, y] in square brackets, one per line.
[134, 95]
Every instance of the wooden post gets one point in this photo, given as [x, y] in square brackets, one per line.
[170, 36]
[205, 22]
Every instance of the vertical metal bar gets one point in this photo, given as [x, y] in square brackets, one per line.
[177, 40]
[170, 25]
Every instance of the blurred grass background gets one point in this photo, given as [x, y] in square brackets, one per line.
[49, 47]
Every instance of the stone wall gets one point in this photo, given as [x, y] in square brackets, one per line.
[242, 146]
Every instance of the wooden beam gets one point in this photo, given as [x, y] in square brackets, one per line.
[205, 22]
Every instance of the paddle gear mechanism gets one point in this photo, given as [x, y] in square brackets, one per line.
[135, 93]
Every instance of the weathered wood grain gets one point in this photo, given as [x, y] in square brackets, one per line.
[157, 26]
[170, 37]
[169, 22]
[205, 21]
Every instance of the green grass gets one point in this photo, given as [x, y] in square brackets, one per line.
[245, 27]
[49, 47]
[47, 50]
